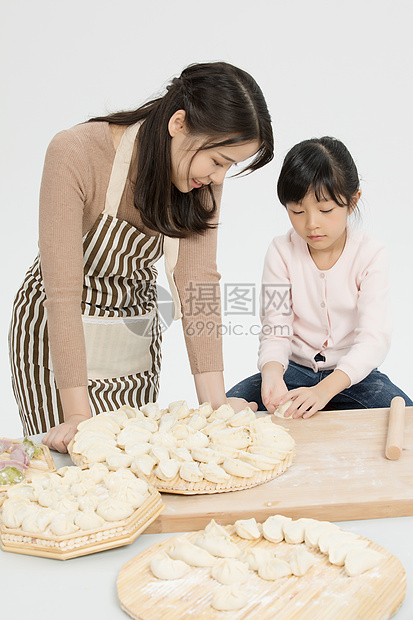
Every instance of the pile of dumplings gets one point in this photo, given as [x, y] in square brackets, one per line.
[179, 443]
[215, 549]
[73, 500]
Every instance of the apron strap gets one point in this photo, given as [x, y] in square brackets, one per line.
[120, 170]
[171, 250]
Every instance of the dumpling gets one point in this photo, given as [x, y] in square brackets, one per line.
[167, 440]
[269, 451]
[120, 416]
[88, 520]
[358, 561]
[294, 531]
[207, 455]
[130, 411]
[314, 531]
[242, 418]
[228, 571]
[24, 491]
[47, 498]
[44, 517]
[90, 501]
[151, 410]
[181, 431]
[167, 422]
[301, 561]
[197, 421]
[135, 448]
[273, 528]
[213, 427]
[97, 473]
[229, 598]
[179, 408]
[133, 435]
[181, 454]
[66, 504]
[14, 510]
[192, 554]
[62, 524]
[99, 422]
[256, 557]
[142, 424]
[226, 451]
[167, 469]
[329, 540]
[281, 409]
[215, 529]
[224, 412]
[119, 477]
[205, 409]
[99, 453]
[338, 553]
[143, 465]
[72, 474]
[274, 569]
[30, 523]
[218, 546]
[234, 467]
[235, 438]
[214, 473]
[260, 461]
[113, 509]
[164, 567]
[190, 472]
[248, 529]
[196, 439]
[119, 460]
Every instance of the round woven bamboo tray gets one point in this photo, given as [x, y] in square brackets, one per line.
[112, 534]
[325, 592]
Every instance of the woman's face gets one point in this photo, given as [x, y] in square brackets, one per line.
[193, 168]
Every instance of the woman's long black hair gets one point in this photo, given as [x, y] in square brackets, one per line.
[223, 105]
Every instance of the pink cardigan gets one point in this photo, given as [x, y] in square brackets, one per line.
[342, 313]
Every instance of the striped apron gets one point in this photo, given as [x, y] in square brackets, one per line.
[119, 312]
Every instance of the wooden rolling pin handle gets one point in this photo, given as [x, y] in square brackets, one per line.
[394, 444]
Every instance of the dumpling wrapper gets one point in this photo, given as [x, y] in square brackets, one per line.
[229, 570]
[184, 550]
[229, 598]
[164, 567]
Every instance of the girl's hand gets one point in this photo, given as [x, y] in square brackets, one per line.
[238, 404]
[273, 388]
[306, 401]
[59, 437]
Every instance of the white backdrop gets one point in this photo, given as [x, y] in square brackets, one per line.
[340, 68]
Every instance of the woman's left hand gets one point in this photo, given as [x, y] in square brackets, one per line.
[238, 404]
[306, 401]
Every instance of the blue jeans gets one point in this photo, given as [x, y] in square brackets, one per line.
[374, 391]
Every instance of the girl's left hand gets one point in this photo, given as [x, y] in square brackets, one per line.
[306, 401]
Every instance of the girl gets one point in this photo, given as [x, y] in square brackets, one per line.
[117, 192]
[324, 344]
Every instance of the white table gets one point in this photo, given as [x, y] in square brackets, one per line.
[85, 588]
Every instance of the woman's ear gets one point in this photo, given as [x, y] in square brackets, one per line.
[176, 123]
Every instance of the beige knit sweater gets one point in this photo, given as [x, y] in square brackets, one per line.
[76, 174]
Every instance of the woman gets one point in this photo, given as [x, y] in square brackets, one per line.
[116, 193]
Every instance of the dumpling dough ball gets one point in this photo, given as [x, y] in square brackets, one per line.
[228, 571]
[193, 555]
[229, 598]
[274, 569]
[247, 528]
[358, 561]
[273, 528]
[301, 561]
[164, 567]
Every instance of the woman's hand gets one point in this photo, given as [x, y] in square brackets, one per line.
[59, 437]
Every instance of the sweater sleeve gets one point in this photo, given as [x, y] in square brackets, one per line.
[276, 310]
[62, 199]
[373, 331]
[197, 280]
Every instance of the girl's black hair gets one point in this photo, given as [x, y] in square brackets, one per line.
[225, 106]
[323, 165]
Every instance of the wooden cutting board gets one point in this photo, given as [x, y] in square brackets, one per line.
[340, 473]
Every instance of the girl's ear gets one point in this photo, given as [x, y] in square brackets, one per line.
[356, 197]
[176, 123]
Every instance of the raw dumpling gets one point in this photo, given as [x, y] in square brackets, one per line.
[294, 531]
[135, 448]
[359, 561]
[167, 421]
[160, 453]
[133, 435]
[224, 412]
[179, 408]
[329, 540]
[24, 491]
[274, 569]
[164, 567]
[151, 410]
[214, 473]
[31, 524]
[269, 451]
[226, 451]
[190, 472]
[119, 416]
[166, 440]
[168, 469]
[97, 473]
[215, 529]
[207, 455]
[228, 571]
[99, 422]
[190, 553]
[218, 546]
[260, 461]
[213, 427]
[272, 528]
[314, 531]
[98, 453]
[238, 468]
[205, 409]
[62, 524]
[301, 561]
[14, 510]
[114, 510]
[197, 421]
[233, 437]
[338, 553]
[143, 464]
[88, 520]
[196, 440]
[119, 460]
[242, 418]
[181, 454]
[229, 598]
[247, 529]
[256, 557]
[142, 424]
[281, 409]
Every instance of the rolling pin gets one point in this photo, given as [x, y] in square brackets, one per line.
[394, 443]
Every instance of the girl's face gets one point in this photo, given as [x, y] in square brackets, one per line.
[192, 169]
[322, 225]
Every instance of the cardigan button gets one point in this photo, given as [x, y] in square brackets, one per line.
[322, 304]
